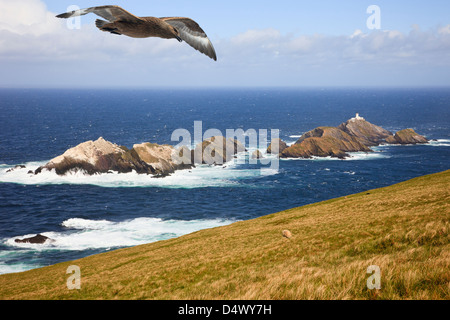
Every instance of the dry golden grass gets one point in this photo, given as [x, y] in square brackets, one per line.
[403, 229]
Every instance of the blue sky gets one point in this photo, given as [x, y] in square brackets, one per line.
[228, 18]
[258, 43]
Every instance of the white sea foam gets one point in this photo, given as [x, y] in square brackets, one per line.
[352, 156]
[367, 156]
[431, 143]
[439, 143]
[83, 234]
[227, 175]
[14, 268]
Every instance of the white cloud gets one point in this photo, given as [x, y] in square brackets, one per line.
[377, 47]
[27, 17]
[32, 40]
[29, 31]
[256, 37]
[444, 30]
[358, 33]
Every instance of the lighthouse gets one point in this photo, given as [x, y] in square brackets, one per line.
[357, 117]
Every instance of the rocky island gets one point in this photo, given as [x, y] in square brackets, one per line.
[102, 156]
[354, 135]
[406, 136]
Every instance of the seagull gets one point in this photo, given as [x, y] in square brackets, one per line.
[122, 22]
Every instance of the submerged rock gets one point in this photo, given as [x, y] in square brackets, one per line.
[38, 239]
[19, 166]
[406, 136]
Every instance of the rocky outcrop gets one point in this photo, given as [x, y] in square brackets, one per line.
[273, 145]
[102, 156]
[38, 239]
[162, 158]
[368, 133]
[324, 142]
[19, 166]
[216, 150]
[354, 135]
[257, 155]
[98, 156]
[406, 136]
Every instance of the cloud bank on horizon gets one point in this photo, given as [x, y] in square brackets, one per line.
[39, 50]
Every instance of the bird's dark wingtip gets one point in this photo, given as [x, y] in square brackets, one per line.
[65, 15]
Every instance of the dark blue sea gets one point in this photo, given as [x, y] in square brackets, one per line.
[88, 215]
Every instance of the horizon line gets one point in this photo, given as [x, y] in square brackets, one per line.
[230, 87]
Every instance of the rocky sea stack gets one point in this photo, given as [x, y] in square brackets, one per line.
[368, 133]
[216, 150]
[102, 156]
[277, 144]
[406, 136]
[324, 142]
[354, 135]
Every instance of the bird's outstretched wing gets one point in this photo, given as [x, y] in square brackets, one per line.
[110, 13]
[190, 31]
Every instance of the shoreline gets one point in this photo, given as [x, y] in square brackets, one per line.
[223, 257]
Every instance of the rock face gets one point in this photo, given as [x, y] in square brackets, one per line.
[216, 150]
[354, 135]
[406, 136]
[160, 157]
[257, 155]
[368, 133]
[98, 156]
[324, 142]
[102, 156]
[281, 145]
[38, 239]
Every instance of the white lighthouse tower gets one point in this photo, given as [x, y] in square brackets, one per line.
[357, 117]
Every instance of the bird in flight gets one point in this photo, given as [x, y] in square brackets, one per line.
[122, 22]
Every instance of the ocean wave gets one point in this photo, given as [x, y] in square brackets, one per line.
[352, 157]
[439, 143]
[228, 175]
[17, 267]
[84, 234]
[367, 156]
[431, 143]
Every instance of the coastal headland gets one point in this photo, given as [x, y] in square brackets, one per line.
[318, 251]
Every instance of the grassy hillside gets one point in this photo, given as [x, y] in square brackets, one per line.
[403, 229]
